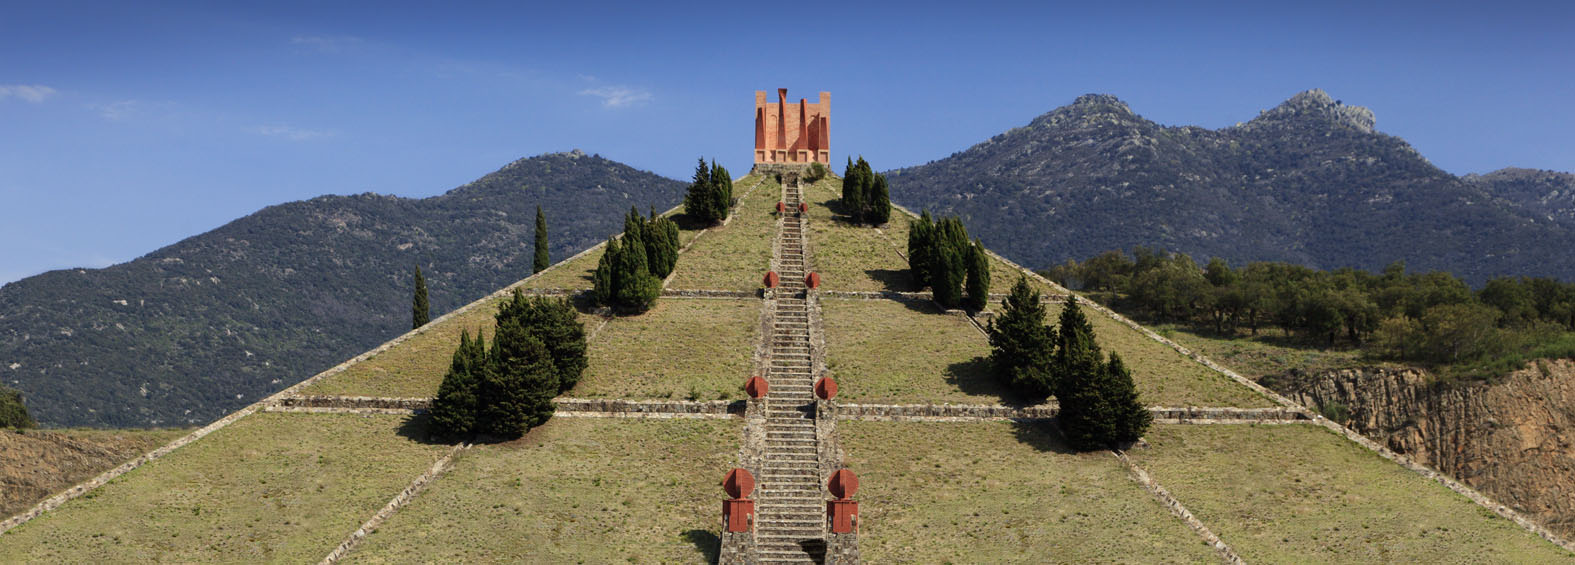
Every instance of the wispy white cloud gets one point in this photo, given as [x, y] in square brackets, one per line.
[34, 93]
[117, 111]
[326, 43]
[291, 133]
[619, 96]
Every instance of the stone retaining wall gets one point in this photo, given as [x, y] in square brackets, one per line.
[713, 293]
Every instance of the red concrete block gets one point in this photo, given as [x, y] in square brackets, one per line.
[756, 387]
[802, 207]
[843, 515]
[825, 388]
[813, 280]
[781, 207]
[771, 279]
[739, 515]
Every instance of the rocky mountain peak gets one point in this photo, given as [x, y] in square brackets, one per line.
[1317, 105]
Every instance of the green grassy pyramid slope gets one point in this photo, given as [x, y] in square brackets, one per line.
[284, 481]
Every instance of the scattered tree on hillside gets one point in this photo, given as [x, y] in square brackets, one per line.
[865, 195]
[629, 275]
[1021, 345]
[978, 277]
[661, 242]
[420, 309]
[710, 194]
[939, 255]
[541, 261]
[538, 351]
[13, 412]
[921, 237]
[1098, 402]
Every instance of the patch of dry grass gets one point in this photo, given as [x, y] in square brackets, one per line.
[1300, 493]
[271, 487]
[575, 490]
[735, 256]
[850, 257]
[1002, 492]
[683, 348]
[906, 352]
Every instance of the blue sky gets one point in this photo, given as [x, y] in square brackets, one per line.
[126, 126]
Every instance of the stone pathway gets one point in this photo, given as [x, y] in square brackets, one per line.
[791, 517]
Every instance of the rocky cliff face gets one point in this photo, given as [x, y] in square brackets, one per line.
[1511, 439]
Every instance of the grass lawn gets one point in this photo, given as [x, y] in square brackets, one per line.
[1303, 494]
[1002, 492]
[575, 490]
[890, 351]
[271, 487]
[850, 257]
[691, 348]
[735, 256]
[576, 274]
[416, 367]
[36, 464]
[1163, 376]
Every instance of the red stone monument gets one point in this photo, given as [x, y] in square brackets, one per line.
[792, 134]
[757, 387]
[843, 513]
[738, 511]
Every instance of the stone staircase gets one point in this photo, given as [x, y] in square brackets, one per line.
[790, 524]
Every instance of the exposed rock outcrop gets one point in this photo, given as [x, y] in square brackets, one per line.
[1513, 439]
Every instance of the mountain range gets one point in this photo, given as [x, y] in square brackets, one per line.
[1310, 181]
[197, 329]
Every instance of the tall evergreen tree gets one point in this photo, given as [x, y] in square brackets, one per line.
[604, 282]
[724, 187]
[921, 238]
[541, 260]
[420, 309]
[661, 245]
[554, 322]
[949, 262]
[1132, 419]
[519, 382]
[1021, 345]
[454, 408]
[1087, 419]
[853, 191]
[878, 203]
[978, 282]
[702, 201]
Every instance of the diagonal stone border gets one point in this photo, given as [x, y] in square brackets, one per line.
[399, 501]
[1226, 554]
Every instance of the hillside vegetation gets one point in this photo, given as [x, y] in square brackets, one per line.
[1309, 182]
[214, 322]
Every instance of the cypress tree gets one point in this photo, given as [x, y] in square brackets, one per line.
[701, 201]
[454, 409]
[853, 191]
[420, 310]
[948, 262]
[1086, 418]
[1131, 417]
[661, 245]
[724, 189]
[878, 202]
[554, 322]
[518, 383]
[1021, 345]
[921, 237]
[603, 282]
[541, 260]
[978, 283]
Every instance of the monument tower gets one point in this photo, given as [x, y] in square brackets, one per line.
[791, 135]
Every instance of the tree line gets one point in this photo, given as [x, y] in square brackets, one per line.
[629, 275]
[1432, 317]
[1099, 403]
[865, 196]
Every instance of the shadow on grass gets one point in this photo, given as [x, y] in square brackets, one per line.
[687, 222]
[418, 428]
[706, 542]
[894, 280]
[1042, 435]
[974, 377]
